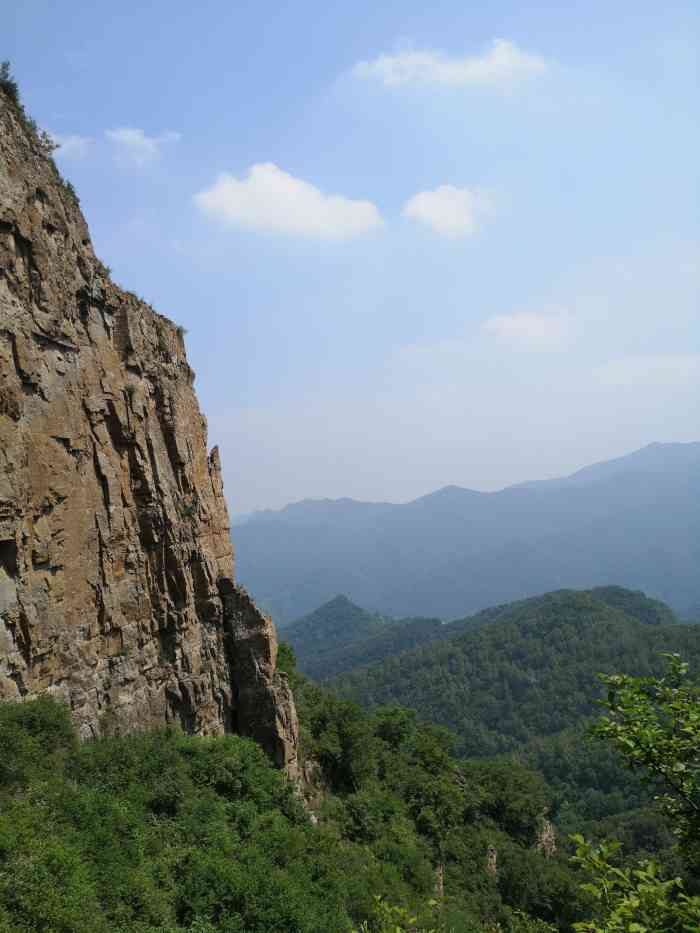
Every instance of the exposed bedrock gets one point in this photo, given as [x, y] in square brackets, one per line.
[116, 565]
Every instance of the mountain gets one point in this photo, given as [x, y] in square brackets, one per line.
[116, 564]
[632, 521]
[339, 636]
[529, 669]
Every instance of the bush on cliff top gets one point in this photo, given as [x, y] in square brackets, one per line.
[44, 141]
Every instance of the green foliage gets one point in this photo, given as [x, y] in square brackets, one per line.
[8, 83]
[388, 918]
[70, 190]
[286, 659]
[587, 780]
[633, 899]
[635, 604]
[166, 833]
[655, 724]
[517, 679]
[397, 790]
[36, 740]
[528, 672]
[156, 833]
[522, 681]
[11, 89]
[339, 636]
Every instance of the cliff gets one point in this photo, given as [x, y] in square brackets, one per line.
[116, 565]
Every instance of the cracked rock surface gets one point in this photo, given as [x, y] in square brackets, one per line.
[116, 565]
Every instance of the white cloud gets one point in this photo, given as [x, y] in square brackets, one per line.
[502, 64]
[656, 369]
[450, 211]
[531, 330]
[271, 200]
[72, 146]
[135, 146]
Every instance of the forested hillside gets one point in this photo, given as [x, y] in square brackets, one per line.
[389, 831]
[167, 833]
[340, 635]
[634, 521]
[530, 671]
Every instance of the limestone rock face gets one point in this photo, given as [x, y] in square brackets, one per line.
[116, 565]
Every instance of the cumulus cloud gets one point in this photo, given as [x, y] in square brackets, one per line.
[656, 369]
[271, 200]
[71, 146]
[531, 330]
[450, 211]
[502, 64]
[135, 146]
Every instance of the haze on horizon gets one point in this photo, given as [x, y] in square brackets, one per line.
[412, 246]
[664, 457]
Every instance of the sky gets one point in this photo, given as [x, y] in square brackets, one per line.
[412, 244]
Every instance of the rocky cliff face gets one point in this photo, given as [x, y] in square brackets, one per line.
[116, 566]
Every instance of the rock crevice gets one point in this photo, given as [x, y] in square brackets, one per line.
[116, 564]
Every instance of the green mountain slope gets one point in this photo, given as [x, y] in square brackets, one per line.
[340, 635]
[530, 671]
[166, 833]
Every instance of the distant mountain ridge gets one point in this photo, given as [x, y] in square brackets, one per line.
[633, 521]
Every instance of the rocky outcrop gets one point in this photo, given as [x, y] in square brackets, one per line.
[116, 565]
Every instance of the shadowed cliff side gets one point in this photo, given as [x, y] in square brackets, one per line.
[116, 567]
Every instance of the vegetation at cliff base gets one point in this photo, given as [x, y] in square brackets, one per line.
[152, 832]
[167, 833]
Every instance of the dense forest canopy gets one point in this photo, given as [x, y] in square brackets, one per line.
[167, 833]
[508, 689]
[340, 635]
[530, 671]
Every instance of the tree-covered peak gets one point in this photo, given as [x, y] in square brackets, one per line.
[525, 669]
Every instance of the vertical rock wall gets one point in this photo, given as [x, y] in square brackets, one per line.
[116, 565]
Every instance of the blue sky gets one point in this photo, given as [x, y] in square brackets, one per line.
[413, 244]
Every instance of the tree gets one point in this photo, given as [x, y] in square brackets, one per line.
[8, 83]
[633, 899]
[655, 724]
